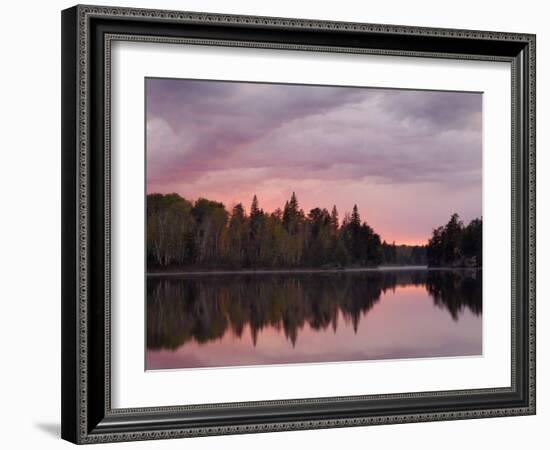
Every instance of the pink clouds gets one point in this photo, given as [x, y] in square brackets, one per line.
[407, 158]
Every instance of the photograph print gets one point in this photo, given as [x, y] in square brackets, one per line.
[298, 224]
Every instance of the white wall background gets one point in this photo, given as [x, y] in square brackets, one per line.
[30, 222]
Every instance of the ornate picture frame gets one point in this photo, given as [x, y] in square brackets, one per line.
[88, 33]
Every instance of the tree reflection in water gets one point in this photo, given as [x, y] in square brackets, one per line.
[204, 308]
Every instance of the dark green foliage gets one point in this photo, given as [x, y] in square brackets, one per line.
[206, 235]
[292, 216]
[210, 227]
[456, 245]
[471, 243]
[170, 226]
[403, 255]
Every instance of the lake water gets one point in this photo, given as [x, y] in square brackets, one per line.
[214, 320]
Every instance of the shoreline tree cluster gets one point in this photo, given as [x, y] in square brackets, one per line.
[181, 233]
[456, 245]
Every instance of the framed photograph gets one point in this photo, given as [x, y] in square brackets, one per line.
[277, 224]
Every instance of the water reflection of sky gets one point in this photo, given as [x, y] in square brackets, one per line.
[405, 323]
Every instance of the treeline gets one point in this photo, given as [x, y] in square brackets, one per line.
[456, 245]
[204, 234]
[404, 255]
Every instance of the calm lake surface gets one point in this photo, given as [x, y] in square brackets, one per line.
[232, 319]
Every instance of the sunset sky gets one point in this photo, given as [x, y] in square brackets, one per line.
[408, 159]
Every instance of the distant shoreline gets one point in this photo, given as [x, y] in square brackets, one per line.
[276, 271]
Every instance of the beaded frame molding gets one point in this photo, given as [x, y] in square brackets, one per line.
[87, 35]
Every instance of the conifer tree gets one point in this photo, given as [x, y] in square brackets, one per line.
[355, 218]
[334, 221]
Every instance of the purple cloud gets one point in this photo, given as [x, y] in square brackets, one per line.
[228, 140]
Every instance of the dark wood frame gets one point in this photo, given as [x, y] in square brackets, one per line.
[87, 32]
